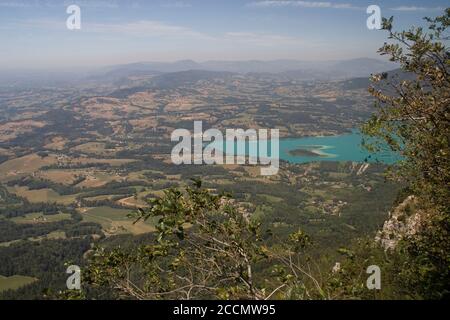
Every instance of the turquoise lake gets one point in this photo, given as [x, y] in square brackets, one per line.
[345, 147]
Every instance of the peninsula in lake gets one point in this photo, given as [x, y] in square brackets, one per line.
[310, 151]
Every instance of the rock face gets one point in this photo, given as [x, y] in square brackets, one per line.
[404, 220]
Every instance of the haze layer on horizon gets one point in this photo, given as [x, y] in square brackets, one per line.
[33, 33]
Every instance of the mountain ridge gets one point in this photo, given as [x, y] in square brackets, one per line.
[333, 69]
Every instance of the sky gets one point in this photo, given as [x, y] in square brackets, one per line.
[33, 33]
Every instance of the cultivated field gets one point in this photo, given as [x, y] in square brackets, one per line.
[116, 221]
[14, 282]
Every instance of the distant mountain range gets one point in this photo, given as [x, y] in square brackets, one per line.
[293, 69]
[278, 69]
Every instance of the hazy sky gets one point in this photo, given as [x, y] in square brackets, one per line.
[33, 33]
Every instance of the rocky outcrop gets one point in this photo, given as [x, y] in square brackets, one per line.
[404, 220]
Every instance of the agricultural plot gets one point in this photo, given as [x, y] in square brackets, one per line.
[66, 177]
[12, 169]
[98, 179]
[14, 282]
[96, 148]
[43, 195]
[54, 235]
[115, 221]
[38, 217]
[56, 143]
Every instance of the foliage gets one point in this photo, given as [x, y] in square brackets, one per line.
[413, 106]
[205, 246]
[413, 118]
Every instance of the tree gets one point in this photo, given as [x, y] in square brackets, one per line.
[413, 107]
[205, 246]
[413, 118]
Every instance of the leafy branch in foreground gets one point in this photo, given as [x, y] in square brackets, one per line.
[205, 246]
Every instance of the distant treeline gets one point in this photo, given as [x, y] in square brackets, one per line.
[27, 207]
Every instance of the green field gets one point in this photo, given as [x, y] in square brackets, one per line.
[54, 235]
[14, 282]
[108, 213]
[38, 217]
[43, 195]
[102, 197]
[116, 220]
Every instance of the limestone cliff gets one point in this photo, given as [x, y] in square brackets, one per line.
[404, 220]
